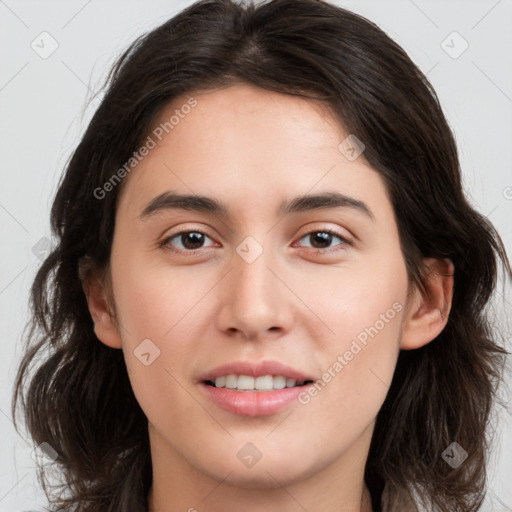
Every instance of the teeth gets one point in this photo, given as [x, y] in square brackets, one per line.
[231, 381]
[248, 383]
[265, 382]
[290, 383]
[279, 382]
[245, 382]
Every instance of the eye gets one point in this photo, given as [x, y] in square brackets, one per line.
[193, 240]
[321, 239]
[189, 240]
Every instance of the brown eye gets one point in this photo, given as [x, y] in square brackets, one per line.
[322, 239]
[189, 240]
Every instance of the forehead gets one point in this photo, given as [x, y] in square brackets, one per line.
[246, 146]
[244, 118]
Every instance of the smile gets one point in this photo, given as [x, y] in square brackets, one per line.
[249, 383]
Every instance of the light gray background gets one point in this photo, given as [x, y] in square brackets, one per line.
[41, 107]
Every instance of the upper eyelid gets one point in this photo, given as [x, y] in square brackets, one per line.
[309, 231]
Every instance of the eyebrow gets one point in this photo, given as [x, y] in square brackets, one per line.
[171, 200]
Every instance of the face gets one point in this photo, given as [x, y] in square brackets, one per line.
[318, 286]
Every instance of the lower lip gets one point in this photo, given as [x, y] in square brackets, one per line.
[253, 403]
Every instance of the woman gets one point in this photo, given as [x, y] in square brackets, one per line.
[205, 350]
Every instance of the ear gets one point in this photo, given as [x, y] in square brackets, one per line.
[427, 313]
[98, 301]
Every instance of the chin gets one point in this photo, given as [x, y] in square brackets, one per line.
[264, 473]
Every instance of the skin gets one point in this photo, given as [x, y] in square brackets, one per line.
[251, 149]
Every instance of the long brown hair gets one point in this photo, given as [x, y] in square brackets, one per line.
[78, 398]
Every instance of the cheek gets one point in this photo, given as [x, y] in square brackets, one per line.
[362, 299]
[154, 299]
[364, 313]
[157, 310]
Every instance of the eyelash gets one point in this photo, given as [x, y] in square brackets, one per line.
[165, 242]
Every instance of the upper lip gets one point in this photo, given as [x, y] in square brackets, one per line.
[255, 370]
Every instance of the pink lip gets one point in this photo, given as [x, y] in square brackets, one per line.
[255, 370]
[253, 403]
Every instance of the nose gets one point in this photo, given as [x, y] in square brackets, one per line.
[256, 302]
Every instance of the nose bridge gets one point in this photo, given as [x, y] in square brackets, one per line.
[252, 272]
[254, 301]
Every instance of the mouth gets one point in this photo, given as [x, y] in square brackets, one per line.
[254, 389]
[248, 383]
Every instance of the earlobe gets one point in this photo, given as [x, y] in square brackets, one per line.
[428, 312]
[105, 326]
